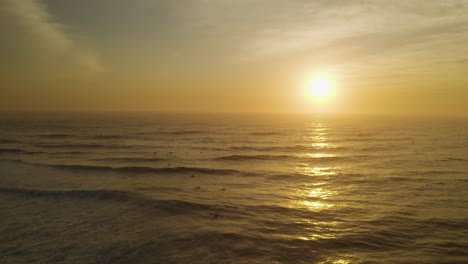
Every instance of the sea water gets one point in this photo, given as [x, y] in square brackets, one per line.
[232, 188]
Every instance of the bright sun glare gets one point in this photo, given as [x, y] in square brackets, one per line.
[321, 87]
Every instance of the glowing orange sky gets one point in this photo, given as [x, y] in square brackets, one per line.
[395, 57]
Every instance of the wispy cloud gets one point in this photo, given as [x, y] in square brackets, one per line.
[26, 21]
[360, 27]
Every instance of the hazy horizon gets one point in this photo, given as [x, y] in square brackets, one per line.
[299, 114]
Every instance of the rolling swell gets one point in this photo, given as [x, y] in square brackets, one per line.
[431, 172]
[298, 246]
[150, 202]
[18, 151]
[81, 146]
[139, 169]
[267, 133]
[95, 194]
[108, 137]
[169, 206]
[175, 132]
[57, 136]
[9, 150]
[72, 136]
[252, 157]
[130, 159]
[5, 141]
[294, 148]
[369, 139]
[452, 159]
[305, 158]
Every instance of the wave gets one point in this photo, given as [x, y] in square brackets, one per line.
[5, 141]
[452, 159]
[130, 159]
[432, 172]
[154, 188]
[209, 148]
[266, 133]
[176, 132]
[83, 146]
[296, 244]
[369, 139]
[9, 150]
[273, 148]
[293, 148]
[172, 206]
[304, 158]
[98, 194]
[252, 157]
[66, 136]
[428, 224]
[185, 132]
[269, 227]
[69, 153]
[374, 148]
[296, 176]
[18, 151]
[108, 137]
[57, 135]
[138, 169]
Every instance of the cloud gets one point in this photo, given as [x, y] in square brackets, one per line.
[32, 39]
[356, 26]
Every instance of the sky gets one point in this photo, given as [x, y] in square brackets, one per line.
[382, 57]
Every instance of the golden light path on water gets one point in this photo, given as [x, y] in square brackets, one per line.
[316, 195]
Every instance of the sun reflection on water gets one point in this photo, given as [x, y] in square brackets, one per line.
[316, 199]
[319, 145]
[319, 138]
[338, 260]
[319, 155]
[318, 171]
[342, 261]
[316, 195]
[317, 206]
[319, 192]
[317, 230]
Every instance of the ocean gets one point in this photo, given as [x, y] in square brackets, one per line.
[232, 188]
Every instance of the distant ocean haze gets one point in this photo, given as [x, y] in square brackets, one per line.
[232, 188]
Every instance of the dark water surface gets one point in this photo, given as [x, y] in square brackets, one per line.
[225, 188]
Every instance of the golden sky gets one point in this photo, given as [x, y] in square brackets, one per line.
[382, 57]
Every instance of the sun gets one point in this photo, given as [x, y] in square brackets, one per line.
[321, 87]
